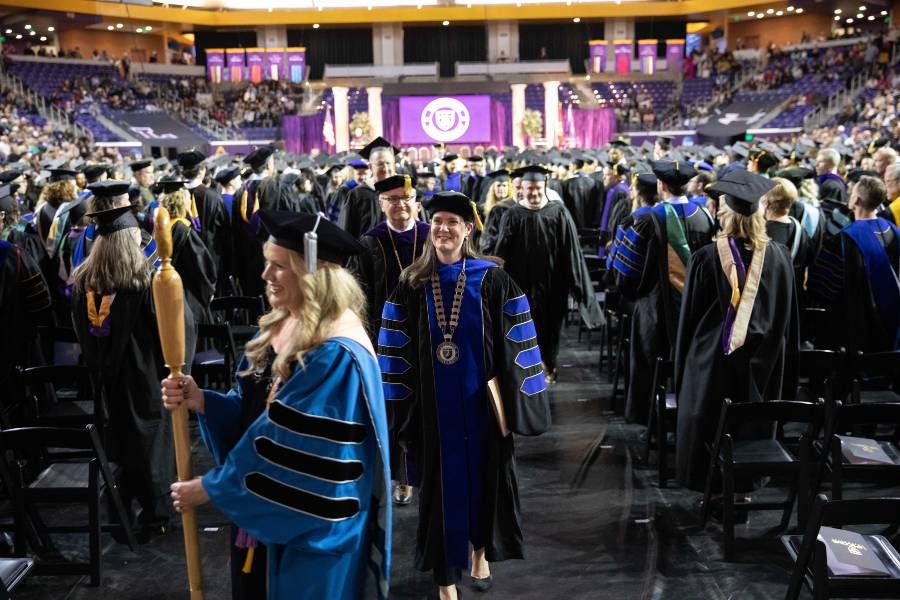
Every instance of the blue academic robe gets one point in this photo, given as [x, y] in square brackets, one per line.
[309, 478]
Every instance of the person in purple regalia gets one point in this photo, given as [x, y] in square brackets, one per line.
[391, 246]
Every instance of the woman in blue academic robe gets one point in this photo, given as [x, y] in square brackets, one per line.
[309, 476]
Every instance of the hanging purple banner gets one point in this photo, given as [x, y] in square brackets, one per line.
[675, 55]
[256, 64]
[296, 64]
[235, 64]
[647, 56]
[275, 63]
[215, 64]
[429, 119]
[597, 55]
[622, 49]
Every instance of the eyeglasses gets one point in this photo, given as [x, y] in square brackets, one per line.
[398, 199]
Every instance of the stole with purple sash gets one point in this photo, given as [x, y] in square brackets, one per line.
[99, 316]
[744, 287]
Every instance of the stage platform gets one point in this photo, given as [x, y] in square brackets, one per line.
[596, 525]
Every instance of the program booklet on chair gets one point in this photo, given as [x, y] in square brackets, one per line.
[864, 451]
[850, 553]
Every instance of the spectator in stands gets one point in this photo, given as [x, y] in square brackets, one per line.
[884, 157]
[892, 185]
[153, 57]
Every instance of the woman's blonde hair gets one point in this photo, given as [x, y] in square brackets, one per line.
[324, 296]
[58, 192]
[781, 197]
[492, 199]
[176, 202]
[750, 229]
[116, 263]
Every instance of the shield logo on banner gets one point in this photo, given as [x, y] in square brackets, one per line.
[445, 119]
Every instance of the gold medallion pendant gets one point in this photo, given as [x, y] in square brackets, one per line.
[447, 353]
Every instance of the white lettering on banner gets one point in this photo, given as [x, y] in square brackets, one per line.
[730, 118]
[148, 134]
[445, 119]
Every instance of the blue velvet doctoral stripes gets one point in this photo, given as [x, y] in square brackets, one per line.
[464, 416]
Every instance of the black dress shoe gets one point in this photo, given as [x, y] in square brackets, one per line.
[482, 584]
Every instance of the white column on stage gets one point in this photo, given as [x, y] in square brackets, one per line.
[518, 111]
[551, 111]
[341, 118]
[375, 118]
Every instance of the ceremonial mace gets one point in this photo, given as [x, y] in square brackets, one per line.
[168, 295]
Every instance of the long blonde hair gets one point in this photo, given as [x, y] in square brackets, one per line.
[422, 268]
[492, 199]
[750, 229]
[325, 296]
[176, 202]
[116, 263]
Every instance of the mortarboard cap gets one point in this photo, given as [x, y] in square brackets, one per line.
[742, 190]
[454, 202]
[77, 209]
[10, 175]
[286, 229]
[168, 185]
[673, 173]
[109, 188]
[113, 219]
[392, 183]
[94, 172]
[619, 168]
[62, 174]
[190, 159]
[450, 157]
[796, 175]
[8, 201]
[663, 139]
[137, 165]
[426, 174]
[134, 192]
[645, 183]
[259, 156]
[226, 174]
[854, 175]
[378, 142]
[498, 174]
[476, 158]
[533, 173]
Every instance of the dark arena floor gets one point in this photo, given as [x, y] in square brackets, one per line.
[596, 525]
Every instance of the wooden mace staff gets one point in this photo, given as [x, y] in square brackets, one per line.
[168, 295]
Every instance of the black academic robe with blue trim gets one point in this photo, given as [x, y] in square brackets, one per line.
[451, 429]
[642, 274]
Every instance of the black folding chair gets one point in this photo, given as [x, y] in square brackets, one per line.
[818, 371]
[65, 481]
[876, 377]
[663, 417]
[810, 556]
[241, 312]
[814, 323]
[74, 400]
[13, 572]
[734, 457]
[214, 367]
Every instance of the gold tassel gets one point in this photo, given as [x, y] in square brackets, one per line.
[248, 562]
[478, 224]
[407, 184]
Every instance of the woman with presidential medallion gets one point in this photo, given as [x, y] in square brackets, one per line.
[458, 344]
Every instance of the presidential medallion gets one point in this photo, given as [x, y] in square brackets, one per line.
[447, 353]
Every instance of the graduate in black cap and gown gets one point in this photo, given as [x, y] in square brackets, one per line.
[539, 244]
[581, 194]
[113, 316]
[360, 211]
[617, 204]
[456, 327]
[450, 178]
[474, 179]
[142, 175]
[229, 180]
[246, 237]
[738, 334]
[207, 212]
[16, 230]
[650, 267]
[497, 201]
[190, 256]
[391, 246]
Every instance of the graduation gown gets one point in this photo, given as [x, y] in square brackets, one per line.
[832, 187]
[471, 186]
[488, 239]
[24, 303]
[211, 223]
[856, 277]
[451, 182]
[761, 369]
[616, 205]
[360, 211]
[792, 236]
[25, 237]
[248, 236]
[810, 217]
[650, 272]
[309, 477]
[337, 199]
[542, 254]
[124, 355]
[581, 196]
[468, 488]
[193, 262]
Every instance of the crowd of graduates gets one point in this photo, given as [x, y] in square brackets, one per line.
[710, 252]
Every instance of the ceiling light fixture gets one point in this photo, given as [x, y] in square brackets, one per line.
[799, 11]
[8, 31]
[884, 13]
[140, 30]
[51, 29]
[837, 17]
[43, 38]
[576, 20]
[837, 11]
[751, 13]
[859, 15]
[760, 15]
[445, 23]
[849, 20]
[790, 9]
[109, 27]
[862, 8]
[27, 26]
[871, 17]
[18, 36]
[779, 13]
[147, 28]
[315, 25]
[119, 26]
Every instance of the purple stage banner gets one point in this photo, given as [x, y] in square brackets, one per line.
[647, 56]
[622, 49]
[296, 64]
[275, 63]
[428, 119]
[597, 54]
[675, 55]
[235, 64]
[255, 64]
[215, 64]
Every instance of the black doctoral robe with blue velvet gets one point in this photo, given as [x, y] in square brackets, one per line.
[463, 460]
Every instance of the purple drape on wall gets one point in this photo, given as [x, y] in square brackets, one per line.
[390, 118]
[303, 133]
[594, 127]
[501, 125]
